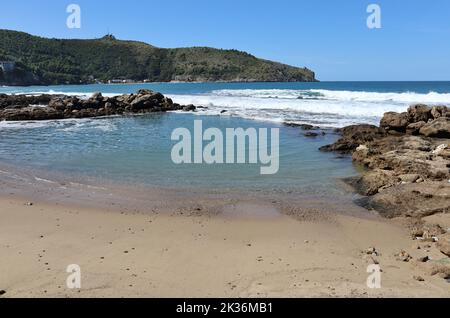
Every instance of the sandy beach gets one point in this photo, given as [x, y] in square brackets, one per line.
[133, 254]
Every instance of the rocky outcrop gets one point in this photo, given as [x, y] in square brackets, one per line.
[438, 128]
[407, 161]
[395, 122]
[46, 107]
[419, 120]
[407, 176]
[444, 244]
[354, 136]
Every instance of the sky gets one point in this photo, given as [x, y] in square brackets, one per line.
[328, 36]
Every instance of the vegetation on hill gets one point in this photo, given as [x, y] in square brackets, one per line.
[56, 61]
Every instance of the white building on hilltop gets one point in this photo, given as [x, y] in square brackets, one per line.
[7, 66]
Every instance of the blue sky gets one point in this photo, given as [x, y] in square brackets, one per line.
[331, 37]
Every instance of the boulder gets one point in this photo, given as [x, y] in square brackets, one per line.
[97, 96]
[418, 113]
[439, 111]
[395, 121]
[142, 92]
[189, 108]
[414, 128]
[438, 128]
[444, 244]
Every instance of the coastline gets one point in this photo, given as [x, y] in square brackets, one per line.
[159, 82]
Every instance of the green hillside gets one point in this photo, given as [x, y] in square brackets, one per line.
[55, 61]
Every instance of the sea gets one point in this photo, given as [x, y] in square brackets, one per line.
[136, 150]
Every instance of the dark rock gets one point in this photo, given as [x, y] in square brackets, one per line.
[2, 292]
[30, 113]
[302, 126]
[22, 107]
[145, 92]
[311, 134]
[24, 100]
[423, 259]
[353, 137]
[395, 121]
[189, 108]
[97, 96]
[414, 129]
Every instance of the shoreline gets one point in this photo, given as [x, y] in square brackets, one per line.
[171, 82]
[82, 191]
[176, 244]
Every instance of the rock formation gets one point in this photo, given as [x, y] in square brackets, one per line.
[407, 158]
[407, 175]
[46, 107]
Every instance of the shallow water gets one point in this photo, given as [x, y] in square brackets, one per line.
[137, 150]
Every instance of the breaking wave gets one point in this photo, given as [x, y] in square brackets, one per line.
[322, 107]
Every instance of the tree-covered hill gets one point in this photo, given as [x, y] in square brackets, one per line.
[55, 61]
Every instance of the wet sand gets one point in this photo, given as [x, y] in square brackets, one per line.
[190, 245]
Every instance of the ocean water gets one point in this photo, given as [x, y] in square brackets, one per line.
[137, 149]
[327, 104]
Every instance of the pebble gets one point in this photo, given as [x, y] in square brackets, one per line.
[419, 278]
[403, 256]
[423, 259]
[2, 292]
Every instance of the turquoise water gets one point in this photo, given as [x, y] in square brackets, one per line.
[136, 150]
